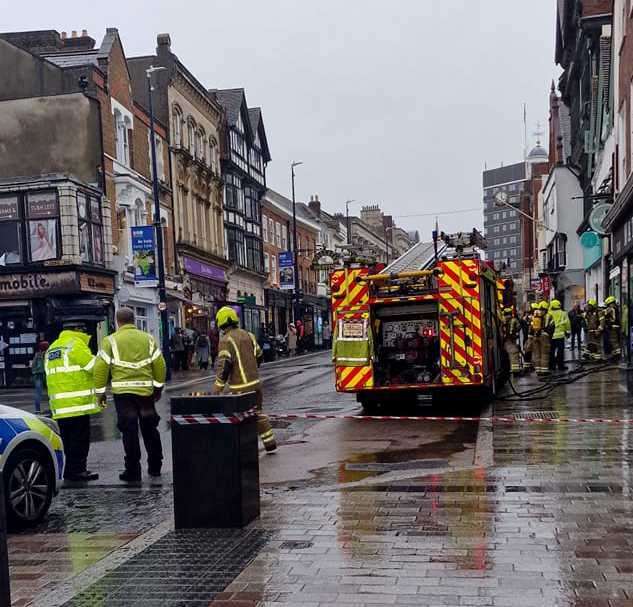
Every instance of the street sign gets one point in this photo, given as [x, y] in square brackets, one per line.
[596, 217]
[162, 306]
[144, 256]
[286, 271]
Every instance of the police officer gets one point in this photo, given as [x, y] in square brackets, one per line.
[68, 365]
[561, 329]
[137, 367]
[239, 356]
[540, 339]
[511, 328]
[593, 331]
[611, 326]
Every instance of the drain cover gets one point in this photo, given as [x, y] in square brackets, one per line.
[295, 545]
[536, 415]
[416, 464]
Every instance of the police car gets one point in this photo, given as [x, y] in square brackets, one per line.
[31, 464]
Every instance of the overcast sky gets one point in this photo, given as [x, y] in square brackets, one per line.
[400, 103]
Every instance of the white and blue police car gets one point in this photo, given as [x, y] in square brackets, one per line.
[31, 465]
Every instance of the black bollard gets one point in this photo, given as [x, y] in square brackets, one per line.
[5, 589]
[216, 461]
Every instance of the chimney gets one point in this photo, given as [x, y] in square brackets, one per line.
[163, 43]
[64, 35]
[73, 34]
[315, 205]
[84, 33]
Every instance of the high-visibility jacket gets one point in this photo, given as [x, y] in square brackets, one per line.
[352, 351]
[239, 356]
[511, 328]
[561, 322]
[69, 366]
[133, 359]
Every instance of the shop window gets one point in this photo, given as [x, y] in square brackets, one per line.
[43, 226]
[140, 318]
[90, 228]
[10, 245]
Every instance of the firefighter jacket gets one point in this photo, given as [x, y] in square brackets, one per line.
[562, 324]
[511, 328]
[134, 361]
[592, 320]
[352, 351]
[610, 318]
[69, 366]
[239, 356]
[537, 323]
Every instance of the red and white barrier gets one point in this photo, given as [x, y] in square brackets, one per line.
[213, 418]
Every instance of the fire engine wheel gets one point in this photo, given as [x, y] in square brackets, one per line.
[504, 373]
[370, 406]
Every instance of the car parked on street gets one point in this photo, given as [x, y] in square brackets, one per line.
[31, 465]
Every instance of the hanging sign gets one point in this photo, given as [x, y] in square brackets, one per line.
[144, 256]
[286, 271]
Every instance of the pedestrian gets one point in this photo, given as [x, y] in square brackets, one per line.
[135, 364]
[611, 326]
[291, 340]
[214, 340]
[178, 348]
[559, 319]
[540, 339]
[300, 336]
[576, 320]
[327, 335]
[39, 374]
[593, 331]
[69, 366]
[202, 351]
[511, 330]
[190, 345]
[238, 360]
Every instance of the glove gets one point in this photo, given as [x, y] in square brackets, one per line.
[567, 335]
[158, 392]
[101, 401]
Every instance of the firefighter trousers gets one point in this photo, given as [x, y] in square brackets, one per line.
[514, 354]
[541, 345]
[528, 365]
[593, 346]
[264, 429]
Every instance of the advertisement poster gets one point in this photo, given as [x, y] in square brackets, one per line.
[9, 231]
[286, 271]
[144, 256]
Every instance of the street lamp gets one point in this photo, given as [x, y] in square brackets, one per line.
[349, 228]
[295, 259]
[387, 229]
[158, 228]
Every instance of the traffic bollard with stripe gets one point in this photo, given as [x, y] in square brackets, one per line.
[5, 590]
[215, 459]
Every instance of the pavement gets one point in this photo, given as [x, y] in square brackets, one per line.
[527, 504]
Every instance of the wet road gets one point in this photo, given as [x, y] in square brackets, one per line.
[522, 508]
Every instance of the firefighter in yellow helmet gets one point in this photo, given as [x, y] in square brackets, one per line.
[528, 365]
[561, 329]
[511, 329]
[239, 356]
[593, 331]
[540, 339]
[611, 325]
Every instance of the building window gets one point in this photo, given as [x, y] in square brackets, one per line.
[191, 136]
[213, 155]
[266, 262]
[233, 193]
[90, 228]
[177, 119]
[251, 204]
[278, 234]
[273, 270]
[284, 237]
[140, 213]
[140, 318]
[271, 230]
[199, 145]
[43, 213]
[122, 125]
[10, 245]
[265, 227]
[235, 244]
[253, 253]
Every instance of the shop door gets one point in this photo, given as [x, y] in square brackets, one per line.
[17, 346]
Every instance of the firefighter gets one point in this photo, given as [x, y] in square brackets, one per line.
[611, 327]
[528, 365]
[561, 329]
[68, 365]
[540, 339]
[593, 331]
[239, 356]
[138, 370]
[511, 328]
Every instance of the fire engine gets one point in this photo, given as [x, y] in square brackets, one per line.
[430, 323]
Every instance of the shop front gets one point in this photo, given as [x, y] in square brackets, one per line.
[278, 306]
[34, 305]
[620, 278]
[205, 292]
[246, 295]
[314, 314]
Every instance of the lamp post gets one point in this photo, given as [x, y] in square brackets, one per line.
[349, 227]
[295, 259]
[158, 228]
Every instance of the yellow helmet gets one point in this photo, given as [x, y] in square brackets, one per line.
[555, 304]
[592, 302]
[609, 300]
[534, 306]
[544, 305]
[226, 316]
[507, 310]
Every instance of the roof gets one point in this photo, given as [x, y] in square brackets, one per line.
[231, 100]
[538, 151]
[73, 58]
[419, 257]
[303, 211]
[257, 124]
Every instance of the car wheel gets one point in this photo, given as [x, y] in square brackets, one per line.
[29, 486]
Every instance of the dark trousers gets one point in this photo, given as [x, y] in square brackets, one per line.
[75, 433]
[181, 360]
[133, 410]
[576, 337]
[557, 356]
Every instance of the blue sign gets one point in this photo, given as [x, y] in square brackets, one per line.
[286, 270]
[144, 256]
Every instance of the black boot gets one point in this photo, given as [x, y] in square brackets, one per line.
[130, 477]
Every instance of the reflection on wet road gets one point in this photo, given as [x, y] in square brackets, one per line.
[372, 513]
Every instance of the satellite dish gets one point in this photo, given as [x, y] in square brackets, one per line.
[597, 215]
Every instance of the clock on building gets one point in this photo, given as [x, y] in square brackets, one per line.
[501, 198]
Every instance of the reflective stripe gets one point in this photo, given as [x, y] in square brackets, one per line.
[100, 390]
[156, 354]
[239, 360]
[106, 357]
[116, 358]
[351, 359]
[244, 385]
[225, 353]
[157, 384]
[63, 369]
[75, 394]
[132, 384]
[74, 409]
[91, 364]
[219, 383]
